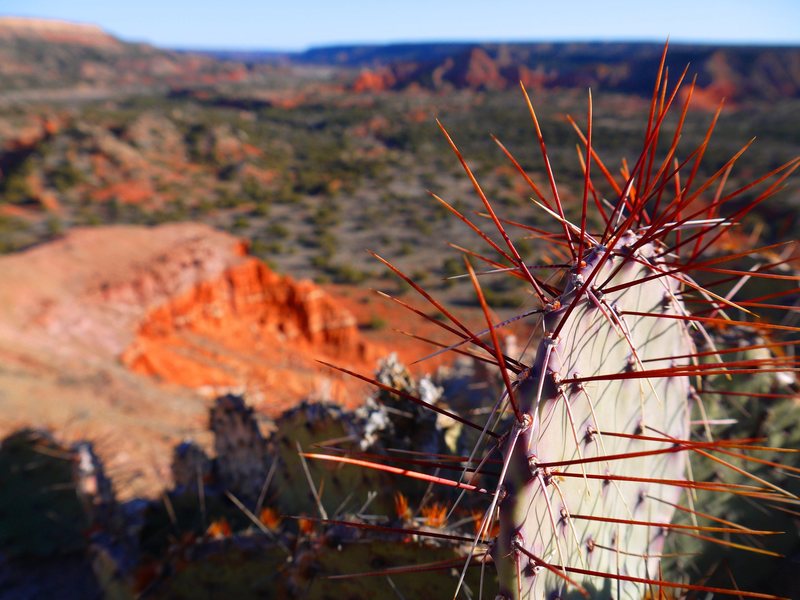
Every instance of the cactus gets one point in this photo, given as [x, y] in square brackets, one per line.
[568, 401]
[342, 488]
[388, 422]
[50, 496]
[56, 506]
[252, 566]
[762, 406]
[589, 453]
[199, 496]
[376, 553]
[191, 467]
[242, 458]
[237, 567]
[293, 558]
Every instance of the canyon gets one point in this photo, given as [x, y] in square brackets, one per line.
[118, 328]
[123, 335]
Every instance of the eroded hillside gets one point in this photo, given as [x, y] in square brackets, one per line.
[122, 334]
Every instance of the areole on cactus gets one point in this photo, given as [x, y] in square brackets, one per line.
[585, 459]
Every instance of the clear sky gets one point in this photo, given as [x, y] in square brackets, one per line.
[298, 24]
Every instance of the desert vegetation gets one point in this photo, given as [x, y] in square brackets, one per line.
[328, 165]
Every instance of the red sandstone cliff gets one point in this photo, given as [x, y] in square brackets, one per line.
[250, 328]
[187, 305]
[121, 333]
[377, 80]
[738, 74]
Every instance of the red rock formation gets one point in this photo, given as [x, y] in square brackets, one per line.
[251, 328]
[134, 191]
[482, 72]
[374, 80]
[110, 333]
[187, 305]
[532, 79]
[736, 73]
[96, 58]
[709, 98]
[264, 177]
[722, 87]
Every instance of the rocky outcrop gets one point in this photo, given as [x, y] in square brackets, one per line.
[377, 80]
[120, 334]
[250, 328]
[187, 305]
[89, 291]
[481, 72]
[736, 73]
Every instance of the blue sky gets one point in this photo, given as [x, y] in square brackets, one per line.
[298, 24]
